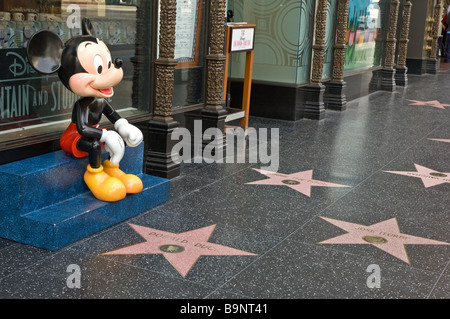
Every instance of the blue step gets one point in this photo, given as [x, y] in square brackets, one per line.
[45, 202]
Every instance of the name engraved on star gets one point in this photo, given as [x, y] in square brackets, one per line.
[159, 235]
[379, 240]
[393, 235]
[178, 249]
[365, 229]
[279, 175]
[430, 176]
[438, 175]
[296, 181]
[203, 246]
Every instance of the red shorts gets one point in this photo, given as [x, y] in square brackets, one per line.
[69, 140]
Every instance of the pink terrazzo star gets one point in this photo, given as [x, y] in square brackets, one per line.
[428, 176]
[434, 103]
[301, 181]
[440, 140]
[384, 235]
[181, 250]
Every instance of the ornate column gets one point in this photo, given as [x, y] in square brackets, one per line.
[159, 130]
[433, 61]
[336, 98]
[401, 71]
[387, 81]
[314, 106]
[213, 114]
[215, 60]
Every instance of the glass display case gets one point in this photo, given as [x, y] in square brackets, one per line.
[364, 38]
[35, 105]
[282, 42]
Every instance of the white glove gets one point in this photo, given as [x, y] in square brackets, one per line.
[114, 146]
[130, 133]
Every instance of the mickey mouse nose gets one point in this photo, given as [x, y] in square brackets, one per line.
[118, 63]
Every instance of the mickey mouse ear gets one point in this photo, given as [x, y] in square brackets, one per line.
[87, 28]
[44, 51]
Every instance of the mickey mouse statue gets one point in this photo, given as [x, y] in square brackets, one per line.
[85, 67]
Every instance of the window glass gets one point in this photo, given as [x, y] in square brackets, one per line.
[190, 32]
[32, 104]
[282, 39]
[364, 29]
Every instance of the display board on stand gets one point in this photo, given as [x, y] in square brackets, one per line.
[241, 38]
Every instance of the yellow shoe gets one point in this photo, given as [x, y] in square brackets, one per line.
[103, 186]
[133, 184]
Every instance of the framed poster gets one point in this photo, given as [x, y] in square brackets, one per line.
[187, 32]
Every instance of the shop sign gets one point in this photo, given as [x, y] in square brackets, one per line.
[27, 97]
[242, 39]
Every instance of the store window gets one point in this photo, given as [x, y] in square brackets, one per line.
[364, 35]
[34, 105]
[283, 41]
[190, 34]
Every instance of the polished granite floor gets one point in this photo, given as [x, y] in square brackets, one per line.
[359, 209]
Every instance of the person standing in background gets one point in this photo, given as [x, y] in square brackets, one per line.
[445, 35]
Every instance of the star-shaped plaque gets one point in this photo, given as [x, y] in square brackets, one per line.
[433, 103]
[385, 235]
[440, 140]
[300, 182]
[428, 176]
[181, 250]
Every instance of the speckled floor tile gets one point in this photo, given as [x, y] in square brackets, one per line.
[293, 270]
[427, 257]
[100, 278]
[16, 257]
[276, 241]
[211, 270]
[276, 210]
[442, 287]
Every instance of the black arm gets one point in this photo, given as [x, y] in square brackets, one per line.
[86, 118]
[110, 113]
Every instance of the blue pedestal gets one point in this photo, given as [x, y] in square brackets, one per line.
[45, 203]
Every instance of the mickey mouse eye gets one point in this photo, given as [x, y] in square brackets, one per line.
[108, 60]
[98, 64]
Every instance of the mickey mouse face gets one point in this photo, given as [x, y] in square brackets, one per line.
[101, 73]
[83, 63]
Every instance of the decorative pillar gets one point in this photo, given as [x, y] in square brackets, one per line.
[314, 105]
[387, 81]
[159, 130]
[336, 98]
[215, 60]
[213, 114]
[401, 71]
[433, 61]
